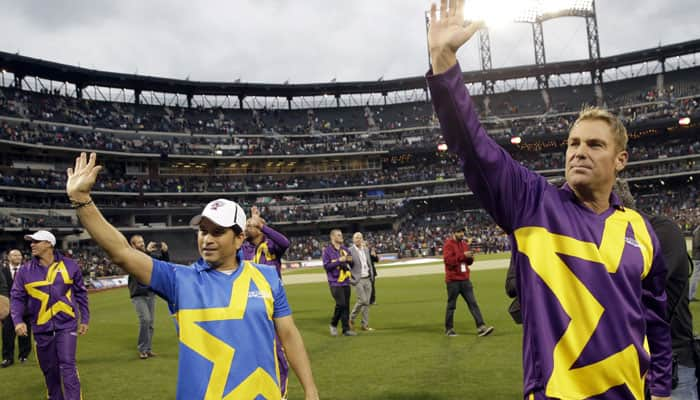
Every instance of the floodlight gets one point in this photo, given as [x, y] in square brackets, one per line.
[442, 147]
[516, 140]
[685, 121]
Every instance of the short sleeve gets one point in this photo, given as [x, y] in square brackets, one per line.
[163, 280]
[282, 308]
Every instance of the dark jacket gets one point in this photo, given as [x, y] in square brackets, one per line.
[696, 243]
[678, 268]
[136, 288]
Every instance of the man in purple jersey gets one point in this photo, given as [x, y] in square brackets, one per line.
[589, 272]
[337, 262]
[264, 245]
[50, 289]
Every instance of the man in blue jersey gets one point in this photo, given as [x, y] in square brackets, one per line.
[227, 310]
[589, 272]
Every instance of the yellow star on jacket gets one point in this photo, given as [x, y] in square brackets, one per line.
[226, 329]
[45, 312]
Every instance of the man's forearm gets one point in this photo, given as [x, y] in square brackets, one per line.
[106, 236]
[442, 60]
[4, 307]
[296, 355]
[114, 243]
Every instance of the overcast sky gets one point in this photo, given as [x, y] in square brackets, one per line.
[304, 40]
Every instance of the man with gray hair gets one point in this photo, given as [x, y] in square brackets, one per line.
[362, 276]
[9, 337]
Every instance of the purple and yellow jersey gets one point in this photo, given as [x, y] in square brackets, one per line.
[54, 297]
[337, 272]
[225, 327]
[591, 285]
[269, 251]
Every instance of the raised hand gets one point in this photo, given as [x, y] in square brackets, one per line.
[81, 177]
[447, 33]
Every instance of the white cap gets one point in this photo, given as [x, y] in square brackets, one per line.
[42, 236]
[222, 212]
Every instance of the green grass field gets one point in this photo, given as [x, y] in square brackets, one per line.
[406, 358]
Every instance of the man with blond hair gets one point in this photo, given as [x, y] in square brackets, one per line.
[589, 272]
[50, 290]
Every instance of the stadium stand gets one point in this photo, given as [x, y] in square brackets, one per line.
[375, 168]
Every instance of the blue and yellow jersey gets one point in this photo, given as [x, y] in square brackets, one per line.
[225, 328]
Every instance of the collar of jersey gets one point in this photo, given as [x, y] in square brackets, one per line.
[202, 265]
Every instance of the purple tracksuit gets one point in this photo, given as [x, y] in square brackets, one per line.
[270, 252]
[55, 299]
[337, 272]
[591, 286]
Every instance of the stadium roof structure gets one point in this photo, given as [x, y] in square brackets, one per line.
[527, 10]
[22, 66]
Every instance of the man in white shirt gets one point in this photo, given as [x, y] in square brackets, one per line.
[362, 277]
[14, 263]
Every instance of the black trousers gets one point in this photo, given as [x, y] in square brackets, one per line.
[372, 298]
[466, 290]
[8, 340]
[341, 295]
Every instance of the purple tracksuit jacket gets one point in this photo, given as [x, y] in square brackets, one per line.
[269, 251]
[338, 272]
[55, 298]
[591, 286]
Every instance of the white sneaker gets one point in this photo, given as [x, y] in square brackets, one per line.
[485, 330]
[334, 330]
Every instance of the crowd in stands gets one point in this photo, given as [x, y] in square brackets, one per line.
[271, 141]
[211, 120]
[116, 181]
[431, 169]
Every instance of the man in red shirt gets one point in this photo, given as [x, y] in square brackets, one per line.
[458, 258]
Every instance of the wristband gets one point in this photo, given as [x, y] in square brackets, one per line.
[77, 204]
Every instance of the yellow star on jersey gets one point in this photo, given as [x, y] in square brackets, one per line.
[45, 313]
[543, 249]
[219, 353]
